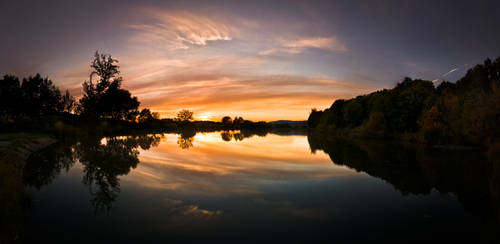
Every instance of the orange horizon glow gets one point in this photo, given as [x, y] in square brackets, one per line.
[222, 65]
[263, 60]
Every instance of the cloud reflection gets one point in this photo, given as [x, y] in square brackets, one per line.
[212, 167]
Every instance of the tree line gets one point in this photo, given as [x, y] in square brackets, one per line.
[103, 97]
[465, 112]
[34, 96]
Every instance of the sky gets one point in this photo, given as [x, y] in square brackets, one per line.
[262, 60]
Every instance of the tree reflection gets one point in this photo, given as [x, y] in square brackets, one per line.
[240, 135]
[103, 161]
[226, 136]
[471, 175]
[46, 164]
[186, 138]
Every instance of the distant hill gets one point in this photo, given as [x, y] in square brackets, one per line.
[291, 123]
[466, 112]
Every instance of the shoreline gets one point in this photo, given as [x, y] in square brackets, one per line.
[13, 155]
[399, 138]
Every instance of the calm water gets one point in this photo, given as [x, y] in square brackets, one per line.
[231, 187]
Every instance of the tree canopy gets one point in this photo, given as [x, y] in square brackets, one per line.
[104, 97]
[35, 96]
[146, 115]
[227, 120]
[465, 112]
[184, 115]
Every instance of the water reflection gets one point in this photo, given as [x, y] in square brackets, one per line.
[210, 168]
[240, 135]
[232, 182]
[103, 160]
[471, 175]
[185, 139]
[217, 169]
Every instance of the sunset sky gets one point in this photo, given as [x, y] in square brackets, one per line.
[263, 60]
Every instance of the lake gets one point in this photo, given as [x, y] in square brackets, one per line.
[242, 187]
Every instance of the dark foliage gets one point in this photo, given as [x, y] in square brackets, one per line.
[147, 116]
[36, 105]
[465, 112]
[314, 118]
[226, 120]
[184, 115]
[10, 93]
[34, 97]
[471, 175]
[103, 163]
[105, 98]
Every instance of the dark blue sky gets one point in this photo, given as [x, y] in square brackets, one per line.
[252, 57]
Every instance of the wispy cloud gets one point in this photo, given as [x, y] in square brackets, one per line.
[299, 45]
[328, 43]
[207, 62]
[449, 72]
[178, 30]
[253, 96]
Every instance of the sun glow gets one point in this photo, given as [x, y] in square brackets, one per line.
[205, 117]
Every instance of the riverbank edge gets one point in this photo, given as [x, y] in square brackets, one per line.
[13, 156]
[405, 139]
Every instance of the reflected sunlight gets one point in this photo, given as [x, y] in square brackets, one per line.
[216, 167]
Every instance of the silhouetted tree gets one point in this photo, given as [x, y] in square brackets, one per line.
[40, 96]
[238, 121]
[314, 117]
[104, 98]
[10, 96]
[118, 104]
[226, 120]
[145, 115]
[35, 96]
[184, 115]
[67, 103]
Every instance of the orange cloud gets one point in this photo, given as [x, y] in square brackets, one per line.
[299, 45]
[226, 85]
[169, 62]
[257, 98]
[330, 43]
